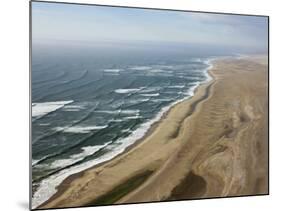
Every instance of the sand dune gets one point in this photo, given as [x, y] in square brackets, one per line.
[213, 145]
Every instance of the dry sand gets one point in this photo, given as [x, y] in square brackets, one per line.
[213, 145]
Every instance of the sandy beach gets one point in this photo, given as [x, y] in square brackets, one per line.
[212, 145]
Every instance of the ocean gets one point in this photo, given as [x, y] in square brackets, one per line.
[89, 105]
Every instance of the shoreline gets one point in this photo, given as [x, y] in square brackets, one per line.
[222, 125]
[209, 81]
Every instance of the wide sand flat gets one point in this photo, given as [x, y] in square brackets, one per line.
[212, 145]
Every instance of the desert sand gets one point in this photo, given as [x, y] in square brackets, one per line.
[212, 145]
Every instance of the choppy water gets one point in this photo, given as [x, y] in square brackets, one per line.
[86, 110]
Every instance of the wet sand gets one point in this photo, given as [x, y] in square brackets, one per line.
[212, 145]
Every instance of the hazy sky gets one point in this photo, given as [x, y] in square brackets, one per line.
[96, 23]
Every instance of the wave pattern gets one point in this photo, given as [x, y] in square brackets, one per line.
[108, 109]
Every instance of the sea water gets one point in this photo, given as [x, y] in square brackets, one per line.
[89, 106]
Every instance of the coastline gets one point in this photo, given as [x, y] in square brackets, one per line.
[174, 124]
[192, 100]
[152, 124]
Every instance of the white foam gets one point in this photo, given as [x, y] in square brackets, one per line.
[108, 111]
[190, 91]
[150, 89]
[41, 109]
[33, 162]
[116, 120]
[118, 111]
[126, 130]
[150, 95]
[74, 106]
[130, 111]
[141, 68]
[79, 129]
[138, 100]
[210, 66]
[112, 70]
[86, 151]
[177, 86]
[44, 124]
[161, 100]
[133, 117]
[71, 109]
[125, 91]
